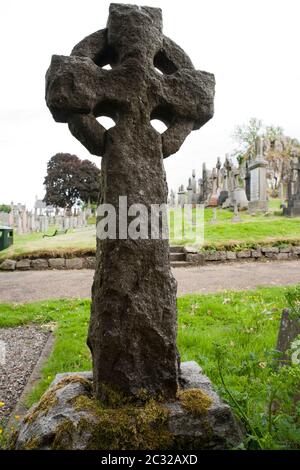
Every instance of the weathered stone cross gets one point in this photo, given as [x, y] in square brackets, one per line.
[133, 326]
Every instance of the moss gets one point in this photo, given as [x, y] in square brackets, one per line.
[195, 401]
[49, 399]
[63, 436]
[129, 427]
[32, 444]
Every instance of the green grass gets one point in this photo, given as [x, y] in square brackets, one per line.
[242, 325]
[252, 229]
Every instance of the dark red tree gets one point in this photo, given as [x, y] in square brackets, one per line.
[70, 180]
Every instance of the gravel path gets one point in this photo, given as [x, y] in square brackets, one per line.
[41, 285]
[20, 349]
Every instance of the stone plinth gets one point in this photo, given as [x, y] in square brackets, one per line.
[258, 185]
[67, 417]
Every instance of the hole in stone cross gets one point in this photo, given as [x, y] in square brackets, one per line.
[107, 58]
[158, 125]
[163, 64]
[106, 122]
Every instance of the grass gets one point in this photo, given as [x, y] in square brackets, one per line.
[242, 325]
[251, 230]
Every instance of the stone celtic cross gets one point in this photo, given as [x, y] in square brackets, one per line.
[133, 327]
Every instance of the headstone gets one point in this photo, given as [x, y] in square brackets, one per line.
[223, 196]
[229, 181]
[288, 331]
[258, 181]
[213, 197]
[132, 332]
[239, 193]
[172, 198]
[293, 207]
[214, 216]
[236, 216]
[247, 182]
[181, 196]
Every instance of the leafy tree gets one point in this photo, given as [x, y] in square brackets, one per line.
[5, 208]
[246, 134]
[89, 182]
[279, 149]
[70, 180]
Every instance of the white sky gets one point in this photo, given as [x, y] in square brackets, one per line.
[252, 47]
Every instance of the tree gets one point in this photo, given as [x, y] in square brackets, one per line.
[70, 180]
[89, 182]
[246, 134]
[5, 208]
[279, 149]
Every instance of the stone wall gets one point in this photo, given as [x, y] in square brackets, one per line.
[192, 258]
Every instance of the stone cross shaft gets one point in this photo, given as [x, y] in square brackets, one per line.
[133, 327]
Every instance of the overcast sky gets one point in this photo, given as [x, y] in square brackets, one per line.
[252, 47]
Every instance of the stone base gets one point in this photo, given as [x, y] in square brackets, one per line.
[67, 417]
[258, 206]
[293, 208]
[222, 197]
[239, 195]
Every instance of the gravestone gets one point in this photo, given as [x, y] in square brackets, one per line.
[181, 196]
[258, 180]
[236, 216]
[133, 327]
[213, 197]
[288, 331]
[189, 189]
[172, 198]
[224, 187]
[214, 216]
[293, 207]
[239, 193]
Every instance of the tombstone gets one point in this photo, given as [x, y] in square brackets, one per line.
[258, 180]
[236, 216]
[218, 167]
[19, 224]
[207, 187]
[214, 216]
[213, 197]
[288, 331]
[247, 182]
[43, 224]
[189, 189]
[230, 182]
[132, 332]
[293, 207]
[223, 196]
[238, 193]
[172, 198]
[181, 196]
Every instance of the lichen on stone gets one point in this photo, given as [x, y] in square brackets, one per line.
[195, 401]
[49, 399]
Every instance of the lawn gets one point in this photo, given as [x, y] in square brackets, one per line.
[231, 335]
[252, 229]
